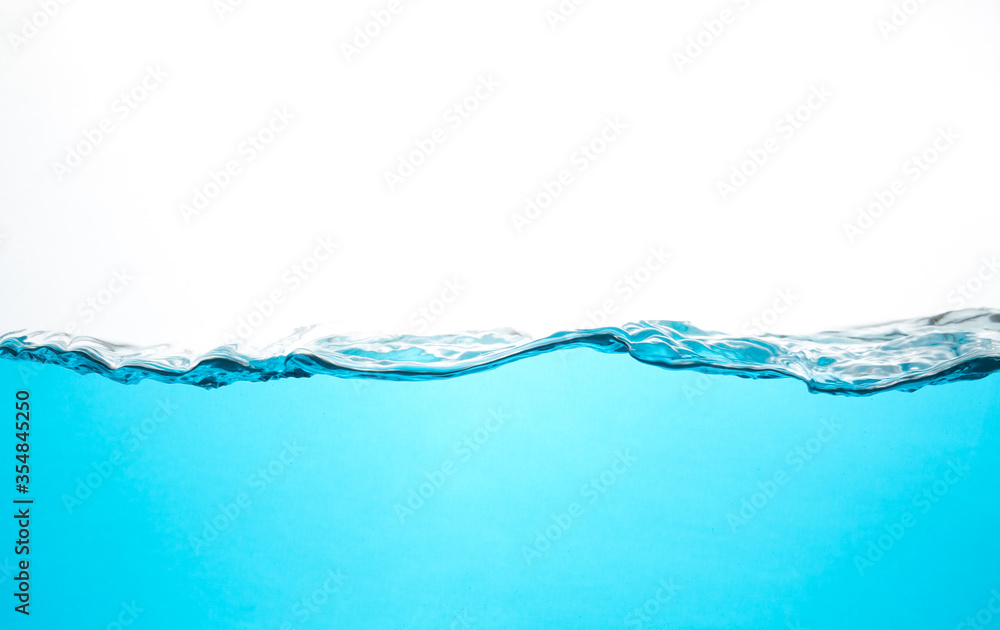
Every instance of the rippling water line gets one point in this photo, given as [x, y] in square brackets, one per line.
[904, 355]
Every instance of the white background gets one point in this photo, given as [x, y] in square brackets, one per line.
[64, 239]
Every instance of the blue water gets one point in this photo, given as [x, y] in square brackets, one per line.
[572, 488]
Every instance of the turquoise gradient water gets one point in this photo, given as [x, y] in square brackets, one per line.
[848, 480]
[573, 489]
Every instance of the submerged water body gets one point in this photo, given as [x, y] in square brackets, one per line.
[848, 480]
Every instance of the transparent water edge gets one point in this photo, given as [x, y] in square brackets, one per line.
[906, 355]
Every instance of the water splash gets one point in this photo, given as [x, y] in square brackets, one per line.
[905, 355]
